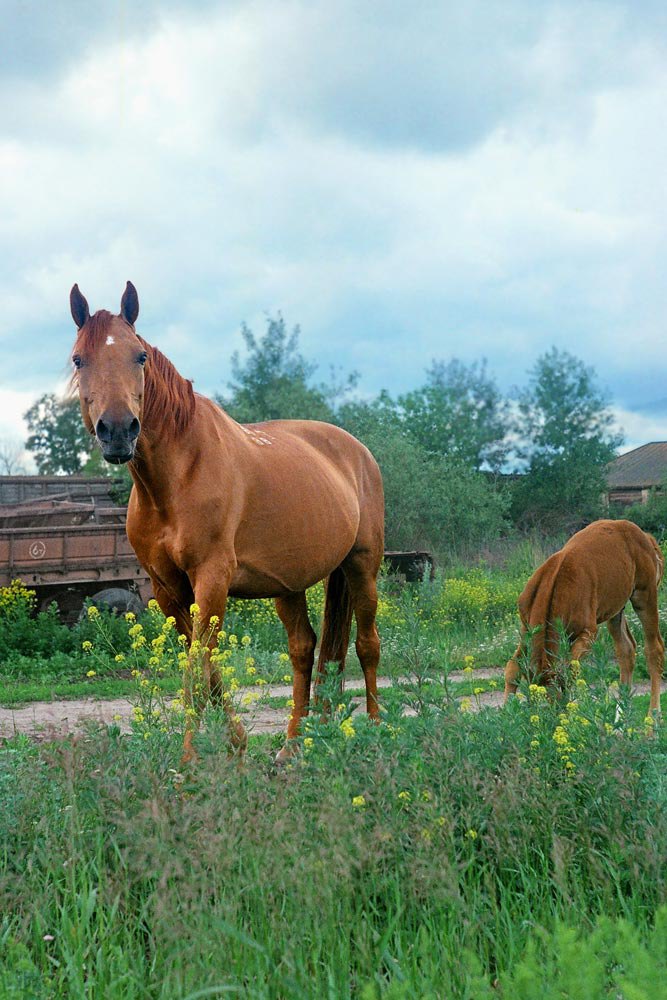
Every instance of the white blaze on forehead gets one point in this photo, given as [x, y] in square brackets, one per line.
[109, 340]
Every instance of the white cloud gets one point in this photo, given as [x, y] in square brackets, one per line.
[12, 407]
[639, 429]
[425, 183]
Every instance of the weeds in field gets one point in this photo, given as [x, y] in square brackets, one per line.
[428, 856]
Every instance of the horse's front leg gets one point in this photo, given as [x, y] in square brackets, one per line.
[202, 678]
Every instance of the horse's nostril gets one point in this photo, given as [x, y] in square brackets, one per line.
[103, 431]
[133, 429]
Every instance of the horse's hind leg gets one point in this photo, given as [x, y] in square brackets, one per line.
[301, 639]
[361, 570]
[625, 646]
[645, 603]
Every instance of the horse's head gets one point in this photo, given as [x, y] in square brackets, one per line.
[109, 360]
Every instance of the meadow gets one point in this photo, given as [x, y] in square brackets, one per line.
[458, 851]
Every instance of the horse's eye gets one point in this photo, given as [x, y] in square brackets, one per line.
[76, 360]
[142, 358]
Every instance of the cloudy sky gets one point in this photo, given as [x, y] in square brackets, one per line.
[405, 180]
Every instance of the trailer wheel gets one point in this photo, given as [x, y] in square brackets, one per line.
[119, 599]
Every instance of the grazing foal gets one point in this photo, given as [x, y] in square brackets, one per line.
[587, 582]
[219, 508]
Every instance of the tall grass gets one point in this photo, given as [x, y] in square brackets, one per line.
[425, 857]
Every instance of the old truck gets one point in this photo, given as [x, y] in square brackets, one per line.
[64, 537]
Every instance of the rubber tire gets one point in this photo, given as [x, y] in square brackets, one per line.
[119, 599]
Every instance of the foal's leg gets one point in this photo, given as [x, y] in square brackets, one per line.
[582, 642]
[512, 669]
[645, 603]
[361, 579]
[301, 639]
[625, 646]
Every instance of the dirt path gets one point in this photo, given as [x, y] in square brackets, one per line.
[51, 719]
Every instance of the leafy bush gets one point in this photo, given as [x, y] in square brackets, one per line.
[478, 599]
[652, 515]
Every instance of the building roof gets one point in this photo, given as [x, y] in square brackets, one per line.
[640, 468]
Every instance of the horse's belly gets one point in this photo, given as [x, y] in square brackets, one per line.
[259, 578]
[291, 547]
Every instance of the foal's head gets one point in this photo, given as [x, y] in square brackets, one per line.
[109, 360]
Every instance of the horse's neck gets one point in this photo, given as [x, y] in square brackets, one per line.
[159, 468]
[165, 464]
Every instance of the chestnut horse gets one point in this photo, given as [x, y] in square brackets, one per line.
[587, 582]
[223, 509]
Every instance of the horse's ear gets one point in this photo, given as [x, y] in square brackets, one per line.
[79, 307]
[129, 304]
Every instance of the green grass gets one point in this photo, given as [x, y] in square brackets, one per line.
[513, 853]
[429, 856]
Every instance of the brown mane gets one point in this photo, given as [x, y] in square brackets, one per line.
[169, 399]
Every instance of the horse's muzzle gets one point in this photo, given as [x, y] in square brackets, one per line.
[117, 438]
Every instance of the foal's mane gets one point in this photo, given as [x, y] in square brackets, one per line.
[169, 399]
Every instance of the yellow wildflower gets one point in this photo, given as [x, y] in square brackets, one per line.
[358, 801]
[86, 645]
[91, 673]
[93, 612]
[347, 728]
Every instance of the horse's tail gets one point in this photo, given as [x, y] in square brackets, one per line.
[337, 622]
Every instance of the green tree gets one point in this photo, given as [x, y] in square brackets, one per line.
[372, 419]
[274, 381]
[567, 438]
[58, 439]
[431, 501]
[458, 413]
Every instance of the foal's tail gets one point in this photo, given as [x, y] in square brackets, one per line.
[337, 622]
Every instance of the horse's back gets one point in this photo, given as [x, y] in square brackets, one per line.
[593, 576]
[332, 451]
